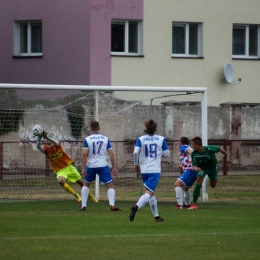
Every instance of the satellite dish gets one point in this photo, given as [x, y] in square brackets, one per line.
[228, 73]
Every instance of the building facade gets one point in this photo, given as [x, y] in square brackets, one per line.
[134, 43]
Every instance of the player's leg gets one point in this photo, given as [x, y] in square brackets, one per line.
[106, 178]
[179, 193]
[150, 182]
[196, 191]
[90, 195]
[213, 176]
[186, 197]
[84, 196]
[62, 175]
[111, 195]
[143, 200]
[90, 177]
[189, 181]
[154, 209]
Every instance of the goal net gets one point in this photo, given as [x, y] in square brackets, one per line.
[65, 112]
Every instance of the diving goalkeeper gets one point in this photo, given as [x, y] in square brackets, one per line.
[61, 164]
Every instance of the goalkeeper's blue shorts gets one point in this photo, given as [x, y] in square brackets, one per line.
[151, 180]
[188, 177]
[103, 173]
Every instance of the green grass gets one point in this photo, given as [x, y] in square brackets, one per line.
[58, 230]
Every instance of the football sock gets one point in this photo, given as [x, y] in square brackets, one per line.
[187, 197]
[84, 196]
[179, 195]
[143, 200]
[196, 192]
[153, 206]
[67, 188]
[111, 194]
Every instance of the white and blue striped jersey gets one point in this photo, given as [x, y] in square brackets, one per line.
[150, 149]
[97, 146]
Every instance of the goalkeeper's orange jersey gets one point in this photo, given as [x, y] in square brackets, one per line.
[58, 158]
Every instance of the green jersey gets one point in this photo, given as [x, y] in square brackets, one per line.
[206, 159]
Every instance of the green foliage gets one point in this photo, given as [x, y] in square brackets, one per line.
[76, 116]
[10, 120]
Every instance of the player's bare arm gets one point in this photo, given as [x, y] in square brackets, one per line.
[188, 151]
[47, 137]
[136, 160]
[113, 161]
[39, 147]
[84, 161]
[196, 168]
[223, 151]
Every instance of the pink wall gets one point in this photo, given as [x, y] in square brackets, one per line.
[76, 40]
[101, 13]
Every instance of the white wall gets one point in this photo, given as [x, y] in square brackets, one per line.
[158, 68]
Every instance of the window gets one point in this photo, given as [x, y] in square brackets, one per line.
[245, 42]
[126, 38]
[186, 39]
[28, 38]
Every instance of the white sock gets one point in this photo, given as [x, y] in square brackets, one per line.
[187, 197]
[84, 196]
[153, 206]
[111, 194]
[179, 195]
[143, 200]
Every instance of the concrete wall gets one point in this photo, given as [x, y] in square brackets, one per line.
[123, 126]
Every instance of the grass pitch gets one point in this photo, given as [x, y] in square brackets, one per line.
[58, 230]
[225, 227]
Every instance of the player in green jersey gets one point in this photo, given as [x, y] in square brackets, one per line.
[204, 162]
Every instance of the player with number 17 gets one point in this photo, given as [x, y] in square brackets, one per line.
[94, 161]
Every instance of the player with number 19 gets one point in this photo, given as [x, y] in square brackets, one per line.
[149, 149]
[94, 161]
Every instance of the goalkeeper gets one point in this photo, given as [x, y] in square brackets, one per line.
[61, 164]
[204, 162]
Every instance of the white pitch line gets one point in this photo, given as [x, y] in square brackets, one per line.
[129, 235]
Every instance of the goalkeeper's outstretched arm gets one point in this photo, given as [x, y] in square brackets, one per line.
[39, 147]
[56, 142]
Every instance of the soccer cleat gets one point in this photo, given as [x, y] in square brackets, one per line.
[78, 198]
[178, 207]
[158, 219]
[113, 208]
[133, 209]
[82, 208]
[92, 198]
[193, 206]
[185, 205]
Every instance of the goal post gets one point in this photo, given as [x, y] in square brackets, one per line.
[66, 111]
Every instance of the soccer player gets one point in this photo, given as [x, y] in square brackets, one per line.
[61, 164]
[187, 178]
[204, 162]
[94, 161]
[149, 149]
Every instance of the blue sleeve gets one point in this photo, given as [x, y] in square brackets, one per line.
[109, 146]
[183, 148]
[164, 145]
[138, 143]
[85, 144]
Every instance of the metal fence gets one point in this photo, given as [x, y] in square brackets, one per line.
[19, 160]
